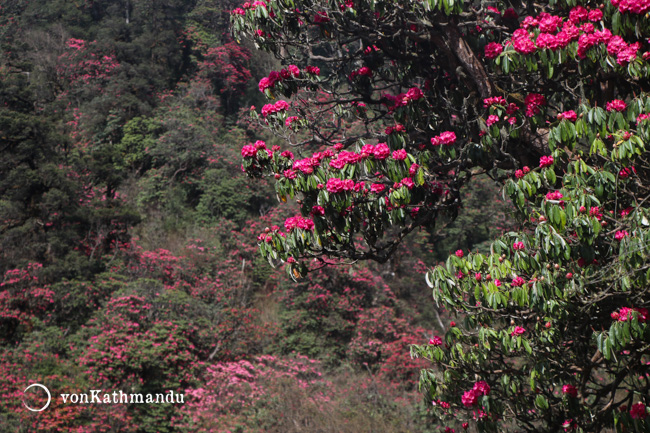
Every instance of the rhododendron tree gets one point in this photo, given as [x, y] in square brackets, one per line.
[410, 100]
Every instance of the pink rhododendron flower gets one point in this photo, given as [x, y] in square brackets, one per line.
[408, 183]
[517, 331]
[399, 154]
[533, 101]
[518, 282]
[624, 314]
[381, 151]
[578, 14]
[482, 388]
[248, 151]
[377, 188]
[470, 398]
[492, 50]
[545, 161]
[298, 222]
[620, 234]
[568, 115]
[435, 341]
[448, 138]
[459, 253]
[518, 246]
[492, 119]
[632, 6]
[494, 100]
[554, 195]
[570, 390]
[595, 15]
[638, 411]
[314, 70]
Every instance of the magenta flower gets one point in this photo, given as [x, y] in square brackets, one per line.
[545, 161]
[492, 50]
[435, 341]
[616, 105]
[638, 411]
[470, 398]
[517, 331]
[570, 390]
[620, 234]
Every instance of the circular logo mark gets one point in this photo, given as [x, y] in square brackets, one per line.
[49, 397]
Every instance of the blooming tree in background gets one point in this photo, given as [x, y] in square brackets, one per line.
[389, 107]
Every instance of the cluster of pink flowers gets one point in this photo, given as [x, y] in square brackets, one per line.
[616, 105]
[406, 182]
[298, 222]
[277, 76]
[435, 341]
[403, 99]
[620, 234]
[632, 6]
[290, 174]
[626, 172]
[624, 314]
[459, 254]
[642, 117]
[638, 410]
[470, 398]
[570, 390]
[570, 115]
[494, 100]
[379, 151]
[290, 121]
[413, 169]
[448, 138]
[492, 119]
[270, 81]
[520, 173]
[314, 70]
[317, 211]
[321, 18]
[624, 52]
[343, 158]
[250, 150]
[363, 71]
[518, 246]
[521, 42]
[518, 282]
[545, 161]
[554, 195]
[518, 330]
[625, 212]
[274, 108]
[397, 128]
[336, 185]
[594, 211]
[492, 50]
[377, 188]
[574, 28]
[533, 101]
[400, 154]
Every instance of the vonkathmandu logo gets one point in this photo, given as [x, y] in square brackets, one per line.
[120, 397]
[96, 396]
